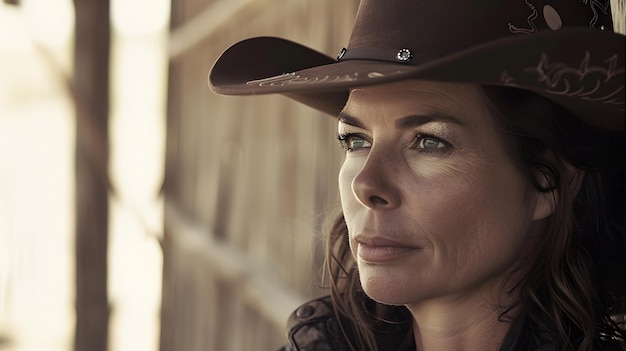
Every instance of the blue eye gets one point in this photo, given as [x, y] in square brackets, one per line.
[430, 143]
[424, 143]
[352, 142]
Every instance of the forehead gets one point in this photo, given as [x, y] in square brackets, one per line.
[466, 102]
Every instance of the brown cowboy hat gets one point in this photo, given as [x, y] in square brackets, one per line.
[565, 50]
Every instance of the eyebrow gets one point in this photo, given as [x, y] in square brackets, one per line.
[347, 119]
[407, 122]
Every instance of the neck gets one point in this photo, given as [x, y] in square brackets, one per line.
[462, 324]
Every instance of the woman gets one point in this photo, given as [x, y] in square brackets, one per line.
[484, 185]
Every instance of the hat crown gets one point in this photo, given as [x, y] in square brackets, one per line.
[433, 28]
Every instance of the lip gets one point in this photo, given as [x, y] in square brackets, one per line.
[379, 249]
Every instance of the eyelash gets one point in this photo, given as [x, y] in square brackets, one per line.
[344, 142]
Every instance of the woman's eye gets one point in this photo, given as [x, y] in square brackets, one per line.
[430, 143]
[356, 142]
[352, 142]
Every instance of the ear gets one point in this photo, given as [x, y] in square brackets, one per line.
[546, 202]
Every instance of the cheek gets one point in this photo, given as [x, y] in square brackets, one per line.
[442, 191]
[468, 184]
[470, 210]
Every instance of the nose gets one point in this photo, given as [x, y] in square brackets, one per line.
[376, 185]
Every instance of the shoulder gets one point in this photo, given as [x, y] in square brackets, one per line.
[314, 326]
[526, 334]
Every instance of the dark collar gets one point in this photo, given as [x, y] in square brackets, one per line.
[314, 326]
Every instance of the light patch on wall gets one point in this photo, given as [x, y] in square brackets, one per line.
[50, 22]
[139, 17]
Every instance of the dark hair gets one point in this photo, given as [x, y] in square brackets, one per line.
[576, 285]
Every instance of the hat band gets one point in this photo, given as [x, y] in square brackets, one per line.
[403, 55]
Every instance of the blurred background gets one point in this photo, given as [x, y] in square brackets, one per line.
[139, 211]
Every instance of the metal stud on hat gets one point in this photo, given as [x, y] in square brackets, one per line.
[404, 55]
[341, 53]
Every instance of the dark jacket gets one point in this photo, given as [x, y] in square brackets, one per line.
[314, 327]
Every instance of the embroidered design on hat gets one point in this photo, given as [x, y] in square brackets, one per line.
[596, 7]
[294, 79]
[532, 28]
[588, 82]
[553, 18]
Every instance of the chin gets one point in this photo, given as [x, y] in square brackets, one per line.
[387, 290]
[387, 296]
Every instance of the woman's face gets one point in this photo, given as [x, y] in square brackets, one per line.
[435, 207]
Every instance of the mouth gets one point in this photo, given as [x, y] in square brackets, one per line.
[382, 250]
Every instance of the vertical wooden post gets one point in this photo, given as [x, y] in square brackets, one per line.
[91, 88]
[168, 333]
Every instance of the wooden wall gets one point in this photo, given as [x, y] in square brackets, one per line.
[249, 180]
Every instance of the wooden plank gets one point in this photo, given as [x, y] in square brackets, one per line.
[90, 87]
[256, 283]
[255, 175]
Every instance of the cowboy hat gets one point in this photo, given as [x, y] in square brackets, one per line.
[565, 50]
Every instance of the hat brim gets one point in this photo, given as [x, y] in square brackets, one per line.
[579, 68]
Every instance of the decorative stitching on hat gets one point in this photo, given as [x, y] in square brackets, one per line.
[530, 19]
[507, 79]
[597, 5]
[584, 81]
[294, 79]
